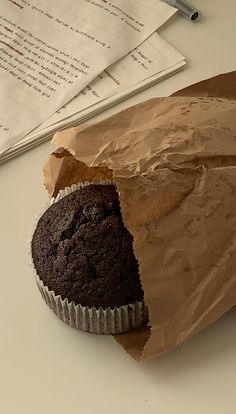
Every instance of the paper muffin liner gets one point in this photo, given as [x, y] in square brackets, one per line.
[89, 319]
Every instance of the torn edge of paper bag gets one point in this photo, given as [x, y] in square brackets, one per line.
[168, 158]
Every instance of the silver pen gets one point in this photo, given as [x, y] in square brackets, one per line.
[184, 8]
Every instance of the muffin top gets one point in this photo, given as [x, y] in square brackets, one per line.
[83, 252]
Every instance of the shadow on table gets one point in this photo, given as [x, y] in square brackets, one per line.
[214, 344]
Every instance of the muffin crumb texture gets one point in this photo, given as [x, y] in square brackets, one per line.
[82, 251]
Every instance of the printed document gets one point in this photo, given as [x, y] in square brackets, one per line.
[51, 50]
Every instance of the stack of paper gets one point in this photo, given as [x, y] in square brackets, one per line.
[41, 74]
[147, 64]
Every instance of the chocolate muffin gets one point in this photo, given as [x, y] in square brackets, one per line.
[82, 251]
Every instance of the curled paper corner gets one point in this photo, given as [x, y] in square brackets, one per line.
[134, 342]
[63, 170]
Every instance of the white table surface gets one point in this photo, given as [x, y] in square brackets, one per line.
[48, 367]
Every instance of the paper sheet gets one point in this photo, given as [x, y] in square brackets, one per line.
[52, 50]
[153, 56]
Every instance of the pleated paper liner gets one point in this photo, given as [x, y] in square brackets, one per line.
[99, 321]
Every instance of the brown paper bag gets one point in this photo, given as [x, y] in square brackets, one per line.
[173, 161]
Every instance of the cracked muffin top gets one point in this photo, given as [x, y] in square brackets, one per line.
[83, 252]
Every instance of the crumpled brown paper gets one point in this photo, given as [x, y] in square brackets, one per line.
[173, 161]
